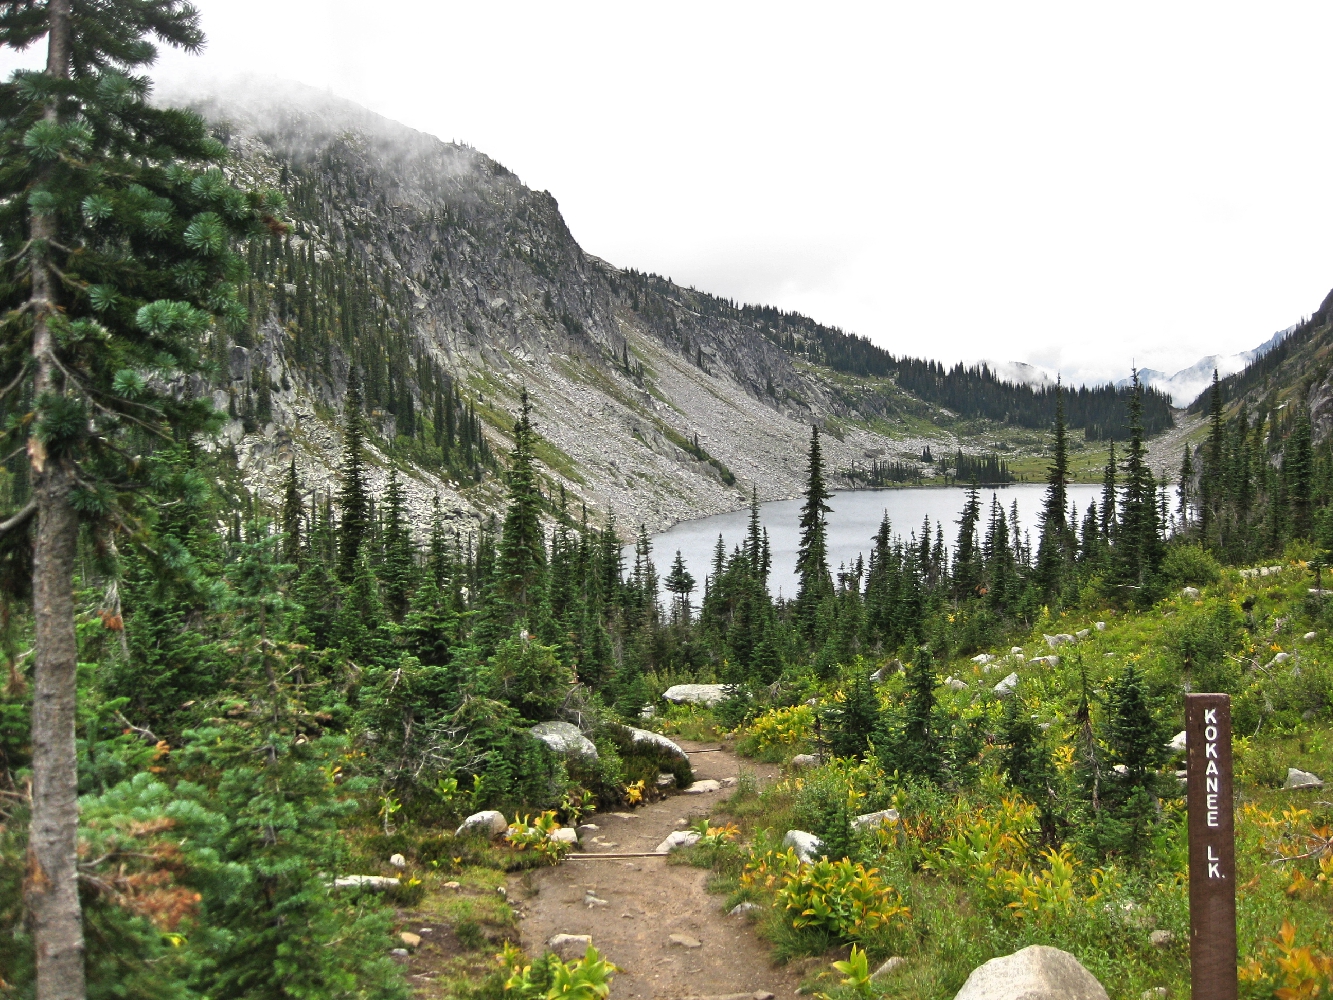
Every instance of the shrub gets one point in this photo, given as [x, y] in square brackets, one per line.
[549, 978]
[1190, 565]
[843, 898]
[781, 729]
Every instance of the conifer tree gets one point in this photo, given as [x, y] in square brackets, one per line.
[1210, 481]
[522, 554]
[1186, 489]
[1137, 549]
[399, 565]
[815, 583]
[1298, 470]
[353, 502]
[967, 561]
[918, 730]
[1108, 495]
[1055, 549]
[680, 582]
[118, 226]
[292, 509]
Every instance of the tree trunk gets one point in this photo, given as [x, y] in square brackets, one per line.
[52, 884]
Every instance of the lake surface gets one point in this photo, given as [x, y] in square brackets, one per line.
[851, 526]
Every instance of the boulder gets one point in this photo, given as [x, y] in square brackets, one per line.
[1178, 744]
[1050, 661]
[665, 780]
[365, 882]
[890, 966]
[1007, 686]
[1310, 636]
[656, 740]
[1056, 641]
[586, 829]
[705, 785]
[677, 838]
[564, 835]
[1035, 973]
[570, 947]
[875, 819]
[566, 739]
[1099, 626]
[886, 671]
[398, 861]
[410, 939]
[1297, 779]
[983, 658]
[806, 845]
[1161, 939]
[488, 821]
[954, 684]
[1083, 633]
[742, 909]
[1189, 593]
[695, 694]
[805, 760]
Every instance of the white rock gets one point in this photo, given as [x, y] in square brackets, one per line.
[1281, 657]
[398, 861]
[1189, 593]
[1121, 769]
[1016, 650]
[805, 760]
[677, 838]
[1035, 973]
[1051, 661]
[665, 780]
[982, 658]
[1297, 779]
[807, 845]
[488, 820]
[565, 739]
[1099, 626]
[685, 941]
[875, 819]
[1178, 742]
[886, 671]
[647, 712]
[700, 787]
[398, 952]
[564, 835]
[695, 694]
[741, 909]
[569, 947]
[890, 966]
[591, 900]
[954, 684]
[1161, 939]
[657, 740]
[1056, 641]
[1310, 636]
[365, 882]
[1006, 687]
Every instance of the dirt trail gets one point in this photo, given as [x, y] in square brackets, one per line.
[648, 900]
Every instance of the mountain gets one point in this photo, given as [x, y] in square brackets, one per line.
[1022, 373]
[452, 289]
[1185, 386]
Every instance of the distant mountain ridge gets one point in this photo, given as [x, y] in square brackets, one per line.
[1186, 385]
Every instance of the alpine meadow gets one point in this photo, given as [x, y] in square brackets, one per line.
[342, 659]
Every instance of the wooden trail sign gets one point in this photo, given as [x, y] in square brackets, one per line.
[1212, 847]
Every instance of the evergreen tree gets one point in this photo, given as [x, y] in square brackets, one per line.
[292, 509]
[1055, 550]
[1137, 540]
[522, 554]
[680, 583]
[353, 501]
[1109, 495]
[106, 202]
[1298, 470]
[967, 566]
[1210, 481]
[399, 566]
[919, 738]
[814, 584]
[1186, 489]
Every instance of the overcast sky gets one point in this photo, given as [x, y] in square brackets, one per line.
[1073, 185]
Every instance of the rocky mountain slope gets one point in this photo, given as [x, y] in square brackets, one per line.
[655, 402]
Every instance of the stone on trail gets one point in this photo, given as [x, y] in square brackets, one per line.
[805, 760]
[875, 819]
[665, 780]
[365, 882]
[656, 740]
[742, 909]
[685, 941]
[702, 786]
[806, 845]
[1297, 779]
[1035, 973]
[569, 947]
[398, 861]
[487, 821]
[410, 939]
[677, 838]
[696, 694]
[566, 739]
[398, 952]
[1007, 686]
[564, 835]
[889, 967]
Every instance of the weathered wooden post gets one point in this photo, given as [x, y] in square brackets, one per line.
[1212, 847]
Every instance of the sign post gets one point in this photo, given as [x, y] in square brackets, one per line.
[1212, 847]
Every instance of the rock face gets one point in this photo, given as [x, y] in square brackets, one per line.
[696, 694]
[1297, 779]
[806, 845]
[488, 821]
[1035, 973]
[566, 739]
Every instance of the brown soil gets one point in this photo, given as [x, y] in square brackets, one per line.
[648, 900]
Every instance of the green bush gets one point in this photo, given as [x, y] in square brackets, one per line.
[1190, 566]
